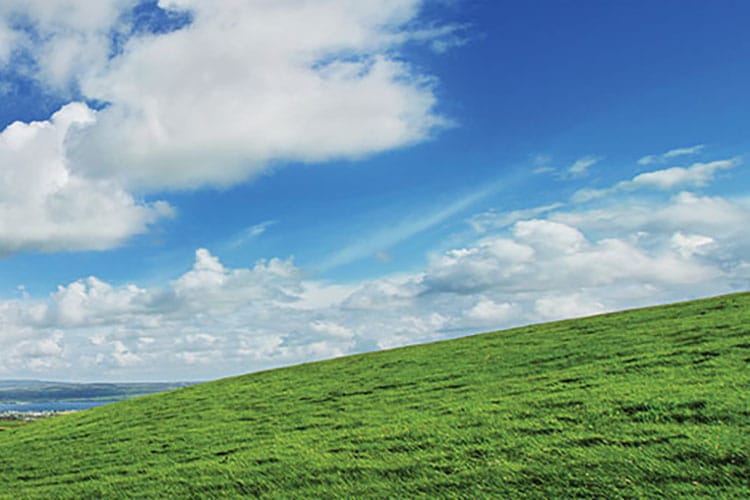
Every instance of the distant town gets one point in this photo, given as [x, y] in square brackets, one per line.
[26, 400]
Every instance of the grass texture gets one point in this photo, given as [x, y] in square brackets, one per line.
[646, 403]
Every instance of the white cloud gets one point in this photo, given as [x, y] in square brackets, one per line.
[72, 37]
[46, 206]
[381, 239]
[487, 313]
[567, 306]
[207, 273]
[490, 262]
[441, 38]
[251, 233]
[382, 294]
[314, 295]
[696, 175]
[588, 194]
[203, 339]
[7, 42]
[213, 103]
[235, 90]
[492, 219]
[122, 356]
[549, 238]
[38, 355]
[688, 245]
[93, 302]
[211, 286]
[530, 265]
[581, 166]
[546, 256]
[672, 153]
[214, 320]
[541, 164]
[331, 328]
[716, 217]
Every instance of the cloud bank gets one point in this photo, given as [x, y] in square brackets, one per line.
[558, 261]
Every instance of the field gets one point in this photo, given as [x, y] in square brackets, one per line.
[6, 425]
[646, 403]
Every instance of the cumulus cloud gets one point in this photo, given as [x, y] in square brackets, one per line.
[122, 356]
[330, 328]
[90, 302]
[210, 315]
[720, 218]
[210, 101]
[488, 313]
[688, 245]
[62, 41]
[545, 255]
[235, 90]
[209, 285]
[46, 206]
[541, 263]
[214, 320]
[490, 262]
[383, 294]
[549, 238]
[567, 306]
[38, 355]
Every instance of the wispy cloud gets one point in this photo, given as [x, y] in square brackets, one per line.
[379, 241]
[493, 219]
[672, 153]
[581, 166]
[696, 175]
[442, 38]
[250, 233]
[542, 164]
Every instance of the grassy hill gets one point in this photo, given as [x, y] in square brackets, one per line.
[645, 403]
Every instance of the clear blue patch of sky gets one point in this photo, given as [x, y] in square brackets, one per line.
[148, 18]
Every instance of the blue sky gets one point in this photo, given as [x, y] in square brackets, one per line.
[195, 189]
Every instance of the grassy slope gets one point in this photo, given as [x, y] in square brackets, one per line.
[643, 403]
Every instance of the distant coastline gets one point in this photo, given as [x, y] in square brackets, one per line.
[30, 398]
[49, 406]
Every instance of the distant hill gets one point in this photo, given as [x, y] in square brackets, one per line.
[640, 404]
[33, 391]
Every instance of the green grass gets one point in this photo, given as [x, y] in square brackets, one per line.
[6, 425]
[646, 403]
